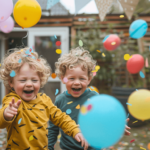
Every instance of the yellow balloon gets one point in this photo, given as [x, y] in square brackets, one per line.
[93, 88]
[27, 13]
[139, 104]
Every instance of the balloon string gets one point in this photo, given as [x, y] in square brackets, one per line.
[23, 38]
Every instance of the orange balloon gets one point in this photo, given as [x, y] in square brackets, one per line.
[53, 75]
[27, 13]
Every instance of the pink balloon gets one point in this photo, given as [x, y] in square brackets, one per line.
[7, 25]
[6, 8]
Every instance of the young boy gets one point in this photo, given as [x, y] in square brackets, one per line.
[25, 112]
[74, 70]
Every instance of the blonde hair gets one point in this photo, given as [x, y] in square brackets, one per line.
[10, 62]
[77, 56]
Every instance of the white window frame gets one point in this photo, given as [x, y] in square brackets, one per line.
[63, 32]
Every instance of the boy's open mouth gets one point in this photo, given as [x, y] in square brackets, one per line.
[75, 89]
[28, 92]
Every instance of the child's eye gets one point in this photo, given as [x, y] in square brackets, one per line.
[34, 80]
[71, 78]
[81, 78]
[22, 80]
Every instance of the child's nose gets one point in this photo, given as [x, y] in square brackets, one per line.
[77, 81]
[29, 83]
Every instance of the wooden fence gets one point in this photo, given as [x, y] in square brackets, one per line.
[119, 24]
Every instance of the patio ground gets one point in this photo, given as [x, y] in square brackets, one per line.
[140, 134]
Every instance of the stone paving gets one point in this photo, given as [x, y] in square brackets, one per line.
[3, 139]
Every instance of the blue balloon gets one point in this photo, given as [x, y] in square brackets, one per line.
[138, 29]
[102, 121]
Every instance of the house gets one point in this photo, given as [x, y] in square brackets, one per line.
[42, 38]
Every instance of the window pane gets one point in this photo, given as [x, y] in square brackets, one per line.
[46, 47]
[17, 42]
[50, 89]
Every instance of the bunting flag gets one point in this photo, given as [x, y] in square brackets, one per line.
[51, 3]
[79, 4]
[129, 7]
[146, 63]
[103, 7]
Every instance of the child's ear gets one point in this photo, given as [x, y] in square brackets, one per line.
[62, 77]
[11, 83]
[89, 80]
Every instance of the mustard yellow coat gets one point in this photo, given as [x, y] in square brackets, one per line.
[28, 129]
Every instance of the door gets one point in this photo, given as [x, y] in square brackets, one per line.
[44, 42]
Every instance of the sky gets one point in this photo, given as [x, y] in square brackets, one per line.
[90, 8]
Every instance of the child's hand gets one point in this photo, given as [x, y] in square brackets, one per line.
[80, 138]
[126, 130]
[11, 110]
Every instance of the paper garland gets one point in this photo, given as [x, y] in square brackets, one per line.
[79, 4]
[129, 7]
[51, 3]
[103, 7]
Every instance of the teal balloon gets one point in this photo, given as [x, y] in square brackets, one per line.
[103, 124]
[138, 29]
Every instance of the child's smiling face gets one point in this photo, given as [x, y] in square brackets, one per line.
[78, 81]
[26, 83]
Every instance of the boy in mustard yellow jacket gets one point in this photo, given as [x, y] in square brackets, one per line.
[25, 112]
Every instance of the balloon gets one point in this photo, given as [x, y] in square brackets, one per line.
[102, 121]
[7, 25]
[138, 29]
[111, 42]
[93, 88]
[6, 8]
[27, 13]
[140, 104]
[135, 63]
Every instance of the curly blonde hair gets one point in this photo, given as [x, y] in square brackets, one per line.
[77, 56]
[10, 62]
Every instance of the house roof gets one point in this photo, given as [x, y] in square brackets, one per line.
[57, 9]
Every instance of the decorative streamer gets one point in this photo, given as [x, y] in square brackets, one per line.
[103, 7]
[51, 3]
[129, 7]
[79, 4]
